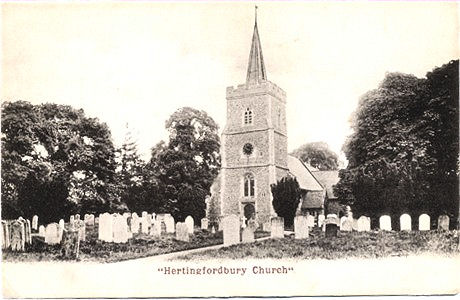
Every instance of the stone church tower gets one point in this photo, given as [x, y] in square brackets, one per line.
[254, 142]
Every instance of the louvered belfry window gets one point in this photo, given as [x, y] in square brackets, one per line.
[248, 116]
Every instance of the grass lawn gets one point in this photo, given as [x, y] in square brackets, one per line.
[372, 244]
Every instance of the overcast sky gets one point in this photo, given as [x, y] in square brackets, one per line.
[137, 63]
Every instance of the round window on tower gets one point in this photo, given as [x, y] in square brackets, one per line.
[248, 149]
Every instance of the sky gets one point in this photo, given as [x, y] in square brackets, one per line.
[136, 63]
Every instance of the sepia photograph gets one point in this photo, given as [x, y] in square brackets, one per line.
[229, 149]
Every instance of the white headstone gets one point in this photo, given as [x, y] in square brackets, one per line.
[354, 224]
[144, 224]
[61, 227]
[385, 222]
[443, 222]
[347, 225]
[169, 223]
[120, 229]
[248, 235]
[135, 223]
[321, 219]
[71, 219]
[106, 227]
[405, 222]
[424, 222]
[155, 230]
[190, 224]
[35, 222]
[277, 228]
[182, 232]
[311, 220]
[301, 227]
[41, 230]
[204, 223]
[364, 223]
[52, 234]
[144, 214]
[342, 219]
[231, 228]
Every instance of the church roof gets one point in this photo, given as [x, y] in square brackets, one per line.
[305, 178]
[328, 179]
[256, 66]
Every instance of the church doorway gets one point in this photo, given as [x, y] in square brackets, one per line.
[249, 212]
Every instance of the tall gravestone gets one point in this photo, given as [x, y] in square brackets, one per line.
[424, 222]
[120, 229]
[182, 232]
[169, 223]
[443, 222]
[144, 224]
[61, 225]
[405, 222]
[301, 227]
[204, 224]
[364, 223]
[17, 235]
[35, 222]
[190, 224]
[41, 230]
[385, 223]
[248, 235]
[5, 235]
[277, 228]
[231, 230]
[321, 219]
[311, 220]
[135, 223]
[342, 219]
[106, 227]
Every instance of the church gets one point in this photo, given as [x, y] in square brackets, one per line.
[254, 149]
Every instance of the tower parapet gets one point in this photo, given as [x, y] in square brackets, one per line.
[264, 87]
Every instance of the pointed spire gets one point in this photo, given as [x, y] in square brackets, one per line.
[256, 67]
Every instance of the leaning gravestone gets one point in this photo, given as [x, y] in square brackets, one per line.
[385, 223]
[190, 224]
[347, 225]
[311, 221]
[405, 222]
[443, 222]
[321, 219]
[277, 228]
[52, 236]
[70, 244]
[204, 224]
[301, 227]
[182, 232]
[364, 223]
[424, 222]
[169, 223]
[35, 222]
[231, 229]
[248, 235]
[17, 236]
[120, 229]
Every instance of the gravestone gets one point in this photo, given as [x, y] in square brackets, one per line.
[80, 225]
[144, 224]
[204, 223]
[443, 222]
[277, 228]
[342, 219]
[213, 230]
[385, 223]
[190, 224]
[96, 220]
[248, 235]
[120, 229]
[35, 222]
[135, 223]
[41, 230]
[354, 224]
[71, 220]
[17, 235]
[231, 229]
[28, 230]
[169, 223]
[89, 220]
[155, 230]
[301, 227]
[52, 236]
[106, 227]
[347, 225]
[182, 232]
[70, 244]
[331, 226]
[5, 235]
[364, 223]
[77, 217]
[144, 214]
[424, 222]
[321, 219]
[24, 237]
[405, 222]
[61, 227]
[310, 221]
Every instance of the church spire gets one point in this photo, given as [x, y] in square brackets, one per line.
[256, 67]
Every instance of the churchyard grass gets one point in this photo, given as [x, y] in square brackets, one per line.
[373, 244]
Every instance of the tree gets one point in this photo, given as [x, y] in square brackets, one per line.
[403, 154]
[318, 155]
[187, 165]
[286, 198]
[55, 161]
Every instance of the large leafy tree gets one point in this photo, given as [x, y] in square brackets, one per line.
[286, 198]
[318, 155]
[55, 161]
[403, 154]
[187, 165]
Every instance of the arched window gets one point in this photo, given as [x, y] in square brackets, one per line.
[248, 116]
[249, 185]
